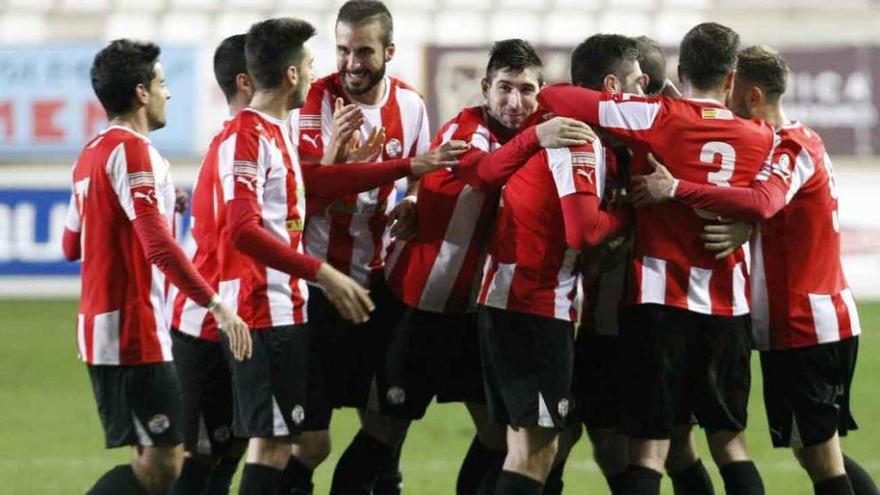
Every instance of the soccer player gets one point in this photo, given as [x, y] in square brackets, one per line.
[119, 222]
[804, 317]
[435, 350]
[212, 452]
[685, 343]
[260, 214]
[614, 64]
[549, 212]
[350, 236]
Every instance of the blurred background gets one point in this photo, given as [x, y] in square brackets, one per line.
[48, 425]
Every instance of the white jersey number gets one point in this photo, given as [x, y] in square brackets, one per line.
[728, 161]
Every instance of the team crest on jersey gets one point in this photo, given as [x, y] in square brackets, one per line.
[717, 114]
[298, 414]
[563, 407]
[782, 168]
[396, 395]
[393, 148]
[158, 424]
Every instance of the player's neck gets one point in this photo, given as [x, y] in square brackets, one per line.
[500, 131]
[135, 121]
[775, 116]
[718, 95]
[272, 103]
[372, 97]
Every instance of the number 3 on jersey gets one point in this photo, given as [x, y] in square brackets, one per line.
[728, 161]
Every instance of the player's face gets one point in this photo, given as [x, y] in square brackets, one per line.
[157, 95]
[511, 96]
[303, 80]
[360, 56]
[632, 79]
[738, 99]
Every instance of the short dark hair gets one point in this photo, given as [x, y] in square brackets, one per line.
[764, 66]
[514, 55]
[707, 53]
[360, 12]
[600, 55]
[117, 70]
[273, 45]
[652, 60]
[229, 62]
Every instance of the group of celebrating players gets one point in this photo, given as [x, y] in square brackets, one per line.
[543, 209]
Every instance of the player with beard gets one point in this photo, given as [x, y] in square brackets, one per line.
[435, 351]
[349, 235]
[804, 317]
[685, 342]
[119, 221]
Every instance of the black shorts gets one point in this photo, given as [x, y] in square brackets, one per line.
[343, 357]
[527, 367]
[596, 377]
[269, 389]
[206, 383]
[678, 362]
[138, 405]
[807, 392]
[431, 354]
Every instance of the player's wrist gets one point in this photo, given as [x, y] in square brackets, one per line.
[673, 189]
[215, 303]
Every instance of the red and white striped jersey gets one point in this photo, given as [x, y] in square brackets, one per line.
[350, 233]
[123, 318]
[799, 293]
[699, 141]
[530, 268]
[257, 161]
[188, 316]
[440, 268]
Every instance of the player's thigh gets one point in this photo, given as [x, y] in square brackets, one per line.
[653, 357]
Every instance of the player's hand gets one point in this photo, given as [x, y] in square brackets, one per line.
[561, 132]
[440, 157]
[235, 329]
[670, 90]
[181, 200]
[370, 150]
[656, 187]
[724, 238]
[350, 299]
[404, 220]
[347, 121]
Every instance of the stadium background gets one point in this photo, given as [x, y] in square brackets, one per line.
[50, 439]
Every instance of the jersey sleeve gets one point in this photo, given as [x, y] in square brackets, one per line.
[131, 175]
[624, 115]
[312, 127]
[486, 171]
[243, 172]
[578, 170]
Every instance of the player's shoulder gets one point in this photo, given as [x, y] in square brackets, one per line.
[405, 93]
[468, 120]
[797, 136]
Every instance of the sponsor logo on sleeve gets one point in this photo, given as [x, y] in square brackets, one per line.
[716, 114]
[141, 179]
[584, 164]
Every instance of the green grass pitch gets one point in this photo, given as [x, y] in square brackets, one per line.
[51, 440]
